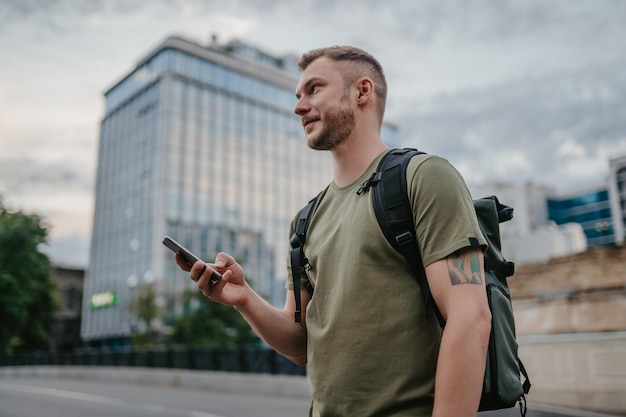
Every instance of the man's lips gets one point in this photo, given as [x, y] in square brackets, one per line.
[308, 122]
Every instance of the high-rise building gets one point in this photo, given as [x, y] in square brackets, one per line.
[198, 142]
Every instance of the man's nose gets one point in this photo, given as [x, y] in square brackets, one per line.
[301, 107]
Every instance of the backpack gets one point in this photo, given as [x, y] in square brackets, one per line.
[502, 384]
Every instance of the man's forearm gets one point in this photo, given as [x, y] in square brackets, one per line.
[461, 368]
[276, 327]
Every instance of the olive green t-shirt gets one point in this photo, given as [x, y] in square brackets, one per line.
[371, 347]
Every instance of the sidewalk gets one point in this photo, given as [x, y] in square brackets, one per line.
[265, 384]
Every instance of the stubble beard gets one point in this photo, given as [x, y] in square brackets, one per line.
[338, 125]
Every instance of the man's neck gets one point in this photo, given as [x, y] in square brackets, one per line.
[352, 158]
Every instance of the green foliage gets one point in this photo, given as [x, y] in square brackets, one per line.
[206, 323]
[202, 322]
[27, 298]
[145, 308]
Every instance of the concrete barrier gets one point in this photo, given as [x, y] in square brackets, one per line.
[583, 371]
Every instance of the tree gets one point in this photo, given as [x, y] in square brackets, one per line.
[206, 323]
[27, 298]
[145, 308]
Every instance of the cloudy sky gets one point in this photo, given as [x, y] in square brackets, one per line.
[508, 90]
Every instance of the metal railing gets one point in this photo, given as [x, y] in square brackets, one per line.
[239, 359]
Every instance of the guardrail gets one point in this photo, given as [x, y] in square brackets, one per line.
[240, 359]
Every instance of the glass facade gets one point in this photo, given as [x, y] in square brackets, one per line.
[197, 144]
[591, 210]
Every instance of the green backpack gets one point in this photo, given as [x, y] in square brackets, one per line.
[502, 384]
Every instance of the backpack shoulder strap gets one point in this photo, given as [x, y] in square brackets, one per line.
[394, 213]
[298, 260]
[391, 200]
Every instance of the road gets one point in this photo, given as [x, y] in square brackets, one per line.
[63, 397]
[34, 397]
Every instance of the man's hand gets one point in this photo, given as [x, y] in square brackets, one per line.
[230, 290]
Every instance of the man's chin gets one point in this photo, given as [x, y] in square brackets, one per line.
[322, 142]
[312, 142]
[318, 146]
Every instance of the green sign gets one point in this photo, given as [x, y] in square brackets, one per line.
[103, 299]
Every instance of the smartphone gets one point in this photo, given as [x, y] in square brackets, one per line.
[176, 247]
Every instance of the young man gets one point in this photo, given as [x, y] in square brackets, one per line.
[370, 347]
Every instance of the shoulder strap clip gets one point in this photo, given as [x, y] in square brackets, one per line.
[376, 176]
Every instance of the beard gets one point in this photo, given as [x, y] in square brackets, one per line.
[338, 124]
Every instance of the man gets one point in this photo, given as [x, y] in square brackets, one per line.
[370, 346]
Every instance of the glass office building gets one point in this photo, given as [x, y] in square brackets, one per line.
[591, 209]
[198, 142]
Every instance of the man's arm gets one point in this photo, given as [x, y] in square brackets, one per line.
[457, 284]
[275, 326]
[278, 327]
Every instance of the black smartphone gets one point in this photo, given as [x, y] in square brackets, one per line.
[186, 254]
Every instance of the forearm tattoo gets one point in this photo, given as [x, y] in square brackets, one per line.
[464, 268]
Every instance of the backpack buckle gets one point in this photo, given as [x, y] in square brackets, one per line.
[405, 238]
[296, 240]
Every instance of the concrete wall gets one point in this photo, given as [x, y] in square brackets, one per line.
[572, 311]
[585, 371]
[570, 317]
[578, 293]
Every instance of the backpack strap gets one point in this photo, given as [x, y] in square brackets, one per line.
[394, 214]
[298, 260]
[502, 269]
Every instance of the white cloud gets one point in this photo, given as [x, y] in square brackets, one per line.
[570, 150]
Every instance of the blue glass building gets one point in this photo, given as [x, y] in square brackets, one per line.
[198, 142]
[591, 209]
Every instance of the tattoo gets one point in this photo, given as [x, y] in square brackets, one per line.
[464, 268]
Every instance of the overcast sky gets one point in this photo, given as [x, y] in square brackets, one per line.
[507, 90]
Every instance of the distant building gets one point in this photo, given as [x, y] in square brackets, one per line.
[590, 208]
[531, 236]
[65, 331]
[198, 142]
[528, 201]
[617, 196]
[547, 224]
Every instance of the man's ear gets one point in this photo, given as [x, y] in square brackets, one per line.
[365, 90]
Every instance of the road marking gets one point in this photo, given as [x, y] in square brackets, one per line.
[80, 396]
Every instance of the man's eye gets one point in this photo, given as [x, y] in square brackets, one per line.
[314, 88]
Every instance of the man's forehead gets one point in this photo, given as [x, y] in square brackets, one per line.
[322, 68]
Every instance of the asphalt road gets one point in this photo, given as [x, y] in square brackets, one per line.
[62, 397]
[33, 397]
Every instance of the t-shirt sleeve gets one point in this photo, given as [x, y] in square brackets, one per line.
[443, 211]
